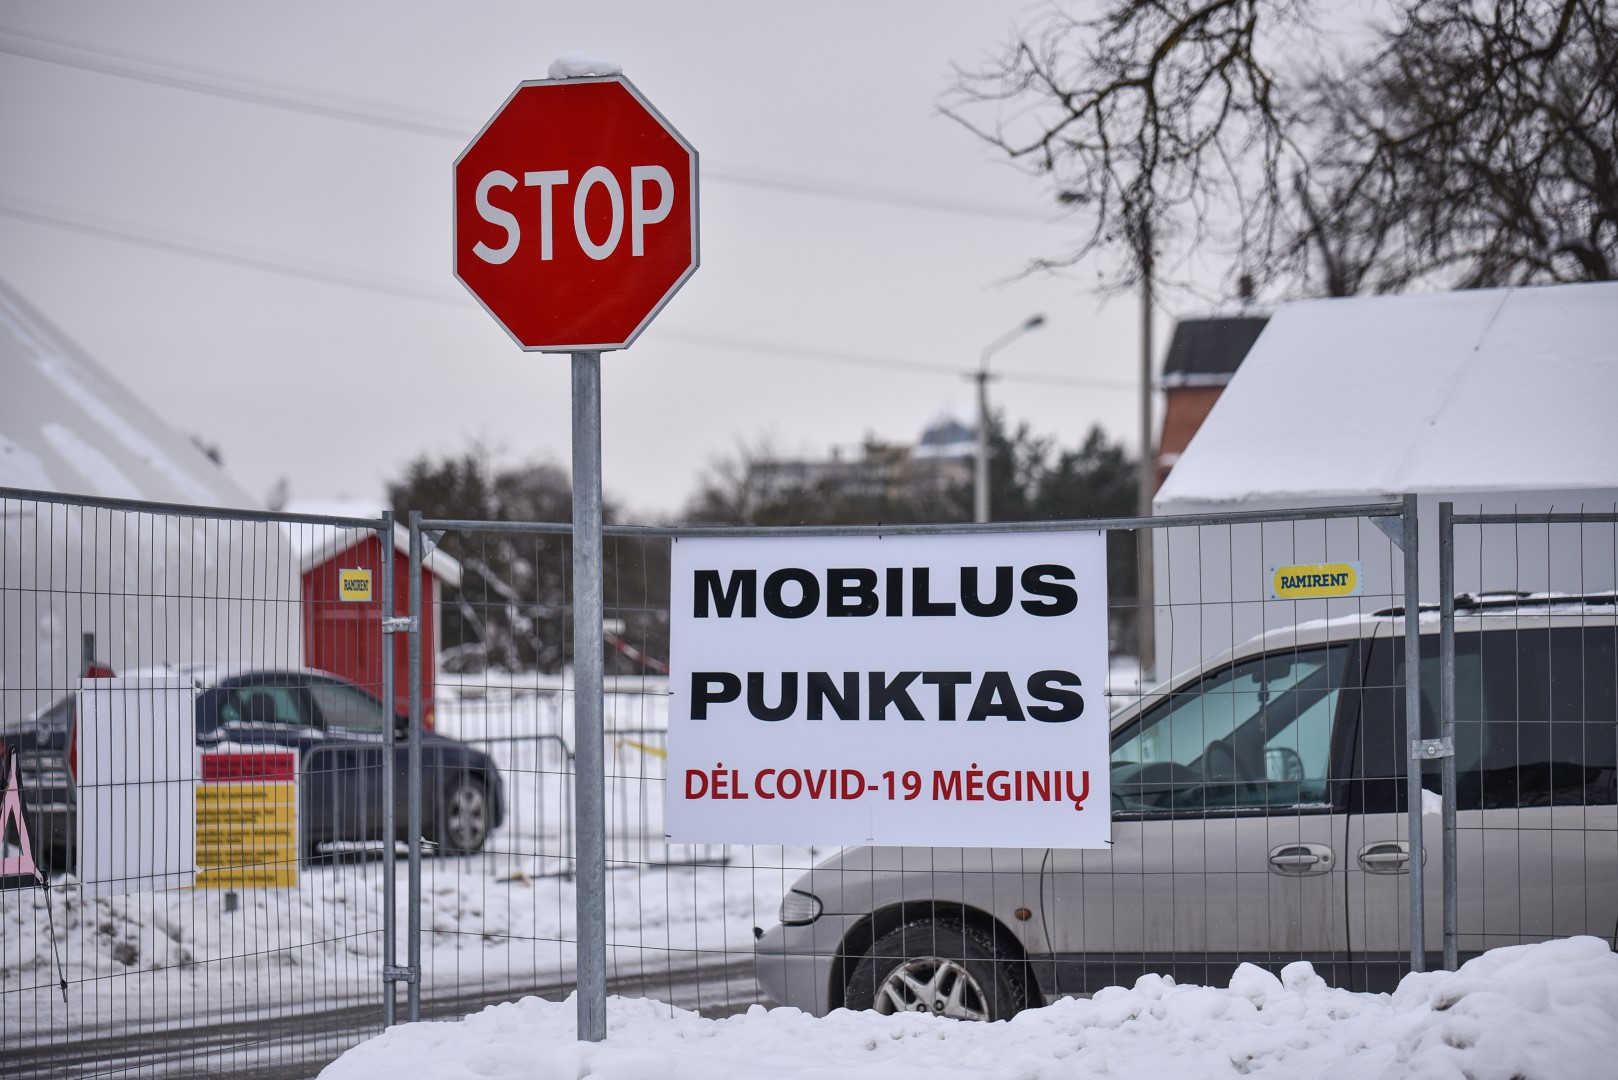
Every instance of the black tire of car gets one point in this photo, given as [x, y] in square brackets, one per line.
[463, 817]
[310, 851]
[938, 967]
[56, 860]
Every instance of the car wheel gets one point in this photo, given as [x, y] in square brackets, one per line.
[54, 860]
[938, 968]
[463, 815]
[311, 855]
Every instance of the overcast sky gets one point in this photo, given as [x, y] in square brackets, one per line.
[139, 214]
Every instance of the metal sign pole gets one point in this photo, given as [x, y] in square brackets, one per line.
[413, 759]
[1413, 731]
[1446, 676]
[390, 758]
[589, 784]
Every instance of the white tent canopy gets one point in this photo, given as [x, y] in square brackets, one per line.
[67, 425]
[155, 588]
[1490, 390]
[1495, 400]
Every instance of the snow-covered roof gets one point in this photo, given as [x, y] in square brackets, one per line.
[315, 543]
[947, 435]
[1207, 350]
[1486, 390]
[67, 425]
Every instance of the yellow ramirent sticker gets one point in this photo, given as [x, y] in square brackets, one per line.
[354, 585]
[1316, 581]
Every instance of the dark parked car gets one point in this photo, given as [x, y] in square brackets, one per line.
[338, 730]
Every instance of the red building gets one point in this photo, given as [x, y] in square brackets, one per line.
[344, 636]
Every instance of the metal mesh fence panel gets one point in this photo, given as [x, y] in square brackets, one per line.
[501, 920]
[1235, 777]
[1232, 788]
[192, 816]
[1529, 710]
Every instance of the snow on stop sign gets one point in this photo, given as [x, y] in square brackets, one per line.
[576, 214]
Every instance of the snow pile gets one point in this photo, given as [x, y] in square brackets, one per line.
[578, 65]
[1536, 1012]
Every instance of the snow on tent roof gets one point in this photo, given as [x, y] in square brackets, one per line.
[66, 425]
[1485, 390]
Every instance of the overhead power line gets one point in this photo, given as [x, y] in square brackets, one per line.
[183, 244]
[837, 356]
[178, 243]
[125, 65]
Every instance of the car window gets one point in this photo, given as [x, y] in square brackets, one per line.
[346, 709]
[1544, 730]
[1536, 720]
[259, 706]
[1256, 734]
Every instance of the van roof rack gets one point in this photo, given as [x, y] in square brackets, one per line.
[1502, 600]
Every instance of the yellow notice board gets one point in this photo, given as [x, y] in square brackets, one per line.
[1316, 581]
[247, 821]
[354, 585]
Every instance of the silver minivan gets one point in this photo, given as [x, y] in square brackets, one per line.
[1259, 816]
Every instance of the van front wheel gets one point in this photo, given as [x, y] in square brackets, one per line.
[938, 968]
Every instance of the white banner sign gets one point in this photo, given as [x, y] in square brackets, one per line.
[137, 819]
[929, 690]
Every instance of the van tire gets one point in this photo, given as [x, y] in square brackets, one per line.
[941, 968]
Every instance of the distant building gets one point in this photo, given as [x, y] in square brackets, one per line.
[339, 635]
[1203, 356]
[946, 438]
[940, 460]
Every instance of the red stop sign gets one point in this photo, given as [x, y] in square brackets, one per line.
[576, 214]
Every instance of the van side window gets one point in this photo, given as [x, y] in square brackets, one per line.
[1253, 735]
[1554, 741]
[1536, 720]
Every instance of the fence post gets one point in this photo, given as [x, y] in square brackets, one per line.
[590, 783]
[1412, 580]
[413, 815]
[1446, 711]
[390, 827]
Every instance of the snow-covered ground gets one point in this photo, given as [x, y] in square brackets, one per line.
[502, 920]
[1531, 1012]
[485, 922]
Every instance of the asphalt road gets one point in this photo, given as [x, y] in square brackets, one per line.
[297, 1046]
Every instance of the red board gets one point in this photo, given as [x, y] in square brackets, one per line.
[576, 214]
[272, 767]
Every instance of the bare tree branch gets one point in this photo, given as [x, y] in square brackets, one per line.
[1473, 145]
[1156, 118]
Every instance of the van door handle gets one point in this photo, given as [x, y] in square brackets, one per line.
[1385, 857]
[1299, 860]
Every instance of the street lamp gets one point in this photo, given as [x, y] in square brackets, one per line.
[980, 479]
